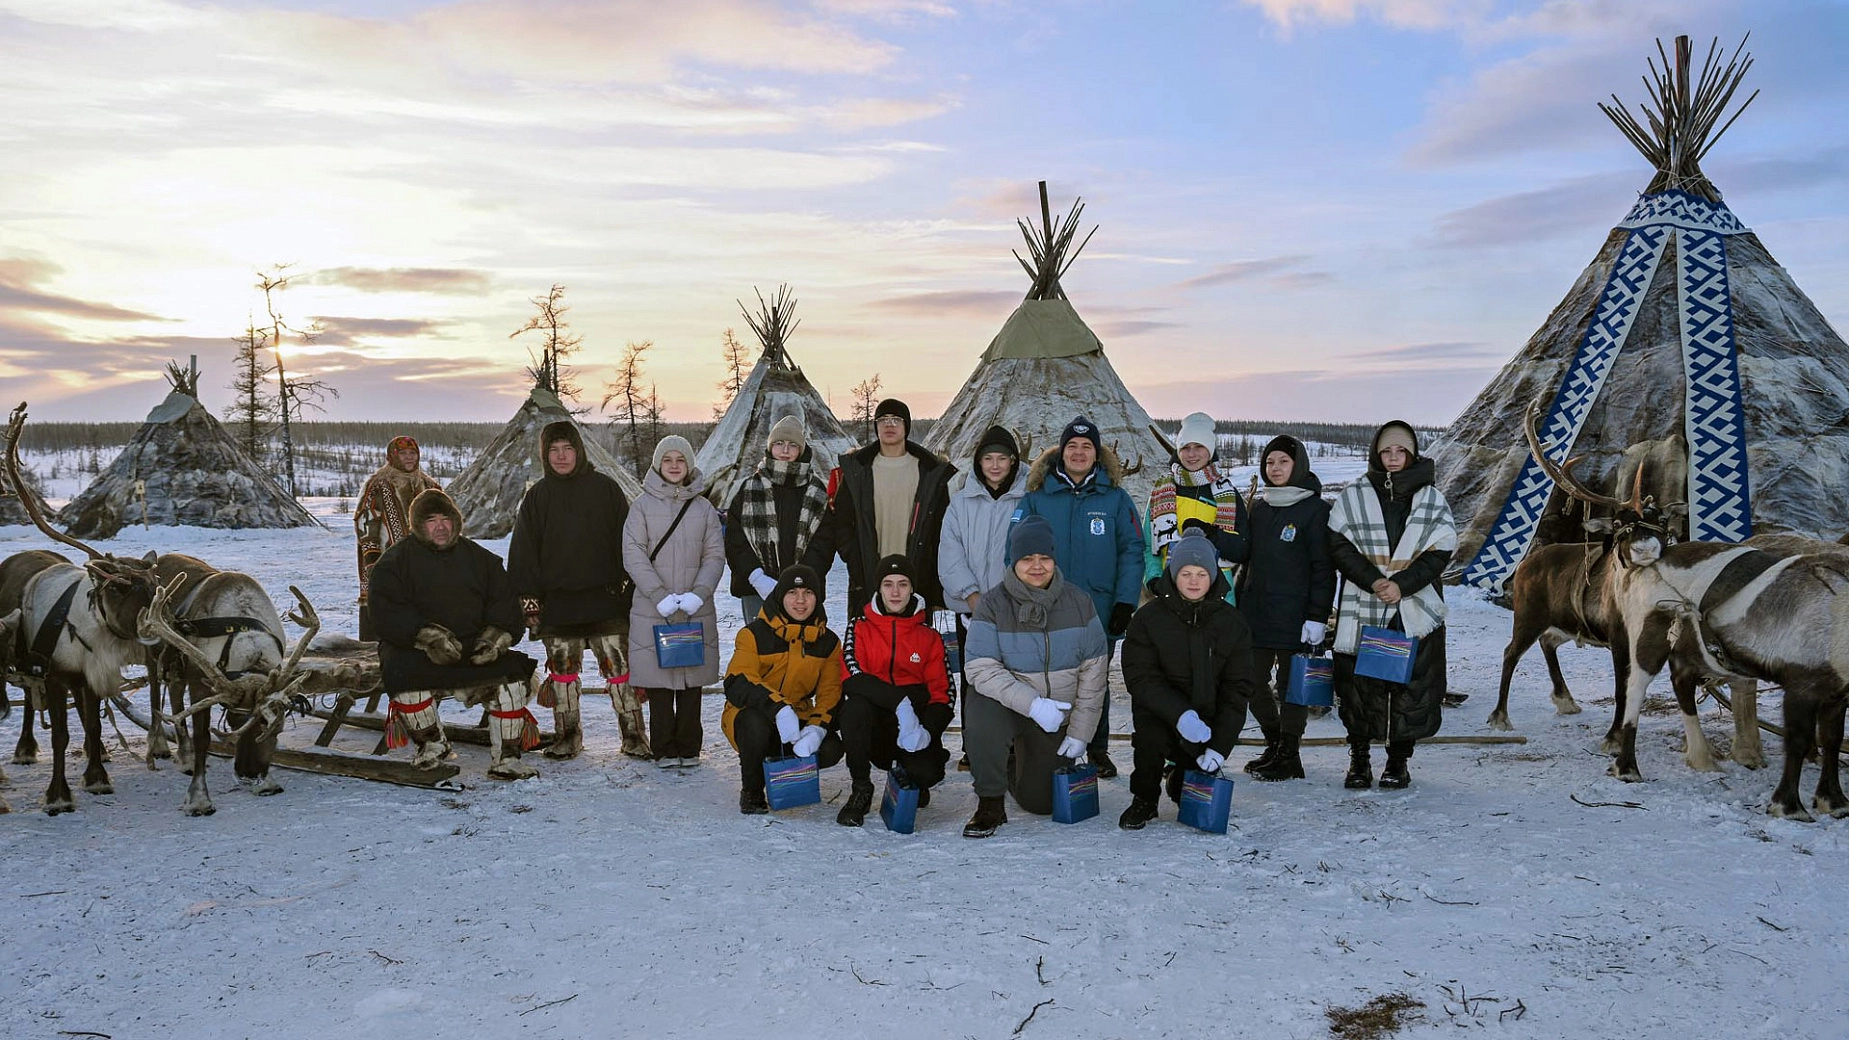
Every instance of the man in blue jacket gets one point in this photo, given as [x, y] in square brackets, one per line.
[1077, 486]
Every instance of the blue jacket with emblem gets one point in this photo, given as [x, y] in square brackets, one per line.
[1097, 534]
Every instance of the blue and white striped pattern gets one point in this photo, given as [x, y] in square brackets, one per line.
[1720, 503]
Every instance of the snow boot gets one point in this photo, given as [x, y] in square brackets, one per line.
[567, 729]
[1395, 777]
[990, 814]
[412, 718]
[1138, 815]
[859, 800]
[623, 697]
[1287, 764]
[753, 803]
[1107, 769]
[1360, 771]
[1266, 757]
[512, 729]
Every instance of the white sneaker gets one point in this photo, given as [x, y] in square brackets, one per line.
[690, 763]
[667, 763]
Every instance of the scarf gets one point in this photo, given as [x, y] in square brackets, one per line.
[1357, 516]
[757, 513]
[1031, 605]
[1165, 525]
[1283, 497]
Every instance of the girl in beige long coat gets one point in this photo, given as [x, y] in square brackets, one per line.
[674, 586]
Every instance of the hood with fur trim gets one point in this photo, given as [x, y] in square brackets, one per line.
[431, 503]
[1107, 461]
[567, 431]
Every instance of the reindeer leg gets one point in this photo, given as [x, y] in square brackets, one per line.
[1747, 750]
[58, 793]
[255, 749]
[178, 685]
[1800, 734]
[157, 736]
[1829, 800]
[1564, 704]
[199, 800]
[90, 711]
[1519, 642]
[26, 752]
[1696, 751]
[1651, 651]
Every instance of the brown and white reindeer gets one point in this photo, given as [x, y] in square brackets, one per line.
[79, 627]
[9, 629]
[229, 641]
[15, 570]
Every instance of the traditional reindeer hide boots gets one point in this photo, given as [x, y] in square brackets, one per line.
[511, 730]
[614, 665]
[414, 720]
[561, 692]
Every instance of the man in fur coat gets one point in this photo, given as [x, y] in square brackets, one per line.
[447, 615]
[565, 560]
[381, 516]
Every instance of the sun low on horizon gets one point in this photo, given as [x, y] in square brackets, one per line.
[1334, 210]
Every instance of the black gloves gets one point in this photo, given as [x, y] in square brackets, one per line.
[1120, 618]
[1195, 523]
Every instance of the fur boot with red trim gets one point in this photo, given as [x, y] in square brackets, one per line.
[512, 729]
[613, 662]
[413, 719]
[560, 691]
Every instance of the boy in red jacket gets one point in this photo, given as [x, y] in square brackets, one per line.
[895, 692]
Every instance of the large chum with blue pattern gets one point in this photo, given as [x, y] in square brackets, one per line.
[1683, 332]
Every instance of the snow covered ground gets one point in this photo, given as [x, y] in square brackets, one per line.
[608, 898]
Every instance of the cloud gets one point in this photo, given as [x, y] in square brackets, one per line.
[977, 303]
[1410, 14]
[1127, 328]
[1274, 271]
[883, 112]
[1426, 396]
[18, 278]
[338, 331]
[1429, 353]
[1565, 209]
[404, 279]
[889, 10]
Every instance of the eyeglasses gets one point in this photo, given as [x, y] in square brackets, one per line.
[889, 420]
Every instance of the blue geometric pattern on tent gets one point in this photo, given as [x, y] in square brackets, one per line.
[1715, 427]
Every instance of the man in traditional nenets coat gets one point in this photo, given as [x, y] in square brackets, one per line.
[446, 616]
[565, 560]
[381, 517]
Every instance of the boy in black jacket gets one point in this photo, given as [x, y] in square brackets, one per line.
[1187, 661]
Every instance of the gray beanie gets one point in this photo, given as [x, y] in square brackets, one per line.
[1192, 549]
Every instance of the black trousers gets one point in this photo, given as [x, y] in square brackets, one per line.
[755, 730]
[1153, 745]
[870, 736]
[1372, 709]
[674, 722]
[1276, 716]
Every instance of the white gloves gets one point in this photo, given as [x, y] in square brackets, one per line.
[912, 734]
[1313, 632]
[1072, 748]
[690, 603]
[810, 739]
[1192, 729]
[668, 605]
[1210, 761]
[787, 724]
[1048, 714]
[761, 583]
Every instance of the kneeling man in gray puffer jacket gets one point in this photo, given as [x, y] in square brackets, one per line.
[1037, 659]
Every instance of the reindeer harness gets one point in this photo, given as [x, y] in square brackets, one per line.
[45, 640]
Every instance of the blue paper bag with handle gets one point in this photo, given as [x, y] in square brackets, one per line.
[899, 805]
[680, 646]
[1312, 681]
[1075, 794]
[790, 783]
[1206, 801]
[1385, 654]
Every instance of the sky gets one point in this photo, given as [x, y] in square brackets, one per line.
[1341, 210]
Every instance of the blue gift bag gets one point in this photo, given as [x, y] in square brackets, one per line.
[1385, 654]
[1075, 794]
[945, 622]
[1312, 681]
[791, 783]
[1206, 801]
[680, 646]
[899, 805]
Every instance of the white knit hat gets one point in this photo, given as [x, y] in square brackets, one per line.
[1198, 429]
[672, 442]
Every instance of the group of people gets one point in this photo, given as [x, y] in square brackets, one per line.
[1048, 565]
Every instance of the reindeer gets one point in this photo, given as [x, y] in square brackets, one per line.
[15, 570]
[9, 629]
[93, 609]
[230, 643]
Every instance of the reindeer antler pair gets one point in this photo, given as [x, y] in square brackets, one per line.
[267, 694]
[1562, 473]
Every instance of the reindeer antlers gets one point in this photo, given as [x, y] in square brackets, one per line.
[1562, 473]
[14, 425]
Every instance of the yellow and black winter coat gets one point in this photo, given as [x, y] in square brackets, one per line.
[777, 661]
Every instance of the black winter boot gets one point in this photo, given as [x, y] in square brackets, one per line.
[1360, 771]
[990, 814]
[1107, 769]
[1287, 764]
[859, 800]
[1395, 776]
[1138, 815]
[753, 803]
[1265, 758]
